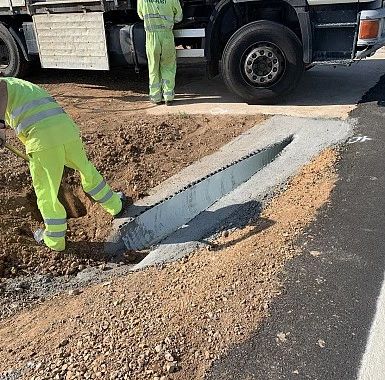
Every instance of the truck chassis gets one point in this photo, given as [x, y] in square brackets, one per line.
[261, 47]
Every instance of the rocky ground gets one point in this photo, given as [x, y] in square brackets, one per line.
[81, 314]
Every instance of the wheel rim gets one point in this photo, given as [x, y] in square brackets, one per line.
[4, 55]
[264, 64]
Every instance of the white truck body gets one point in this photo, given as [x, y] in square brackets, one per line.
[263, 45]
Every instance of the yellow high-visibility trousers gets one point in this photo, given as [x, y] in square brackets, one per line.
[47, 168]
[161, 57]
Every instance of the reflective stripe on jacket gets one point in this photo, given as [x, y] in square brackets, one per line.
[38, 120]
[159, 14]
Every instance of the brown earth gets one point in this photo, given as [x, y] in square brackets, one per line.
[161, 323]
[134, 152]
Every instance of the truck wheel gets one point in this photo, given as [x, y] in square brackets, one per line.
[262, 62]
[12, 61]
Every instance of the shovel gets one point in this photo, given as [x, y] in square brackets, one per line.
[16, 151]
[73, 205]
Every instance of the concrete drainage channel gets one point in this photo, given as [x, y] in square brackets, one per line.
[222, 190]
[162, 219]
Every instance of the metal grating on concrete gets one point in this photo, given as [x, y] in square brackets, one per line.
[164, 218]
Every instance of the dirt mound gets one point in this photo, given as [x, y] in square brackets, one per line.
[133, 154]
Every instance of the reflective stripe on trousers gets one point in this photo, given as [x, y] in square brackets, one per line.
[55, 228]
[46, 171]
[161, 56]
[92, 181]
[101, 193]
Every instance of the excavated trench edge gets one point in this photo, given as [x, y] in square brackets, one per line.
[158, 221]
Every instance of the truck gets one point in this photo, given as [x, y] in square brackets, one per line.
[260, 47]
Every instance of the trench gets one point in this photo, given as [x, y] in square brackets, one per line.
[72, 197]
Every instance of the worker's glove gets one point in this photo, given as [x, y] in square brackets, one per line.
[2, 135]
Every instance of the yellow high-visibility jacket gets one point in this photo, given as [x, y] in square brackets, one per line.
[159, 15]
[38, 120]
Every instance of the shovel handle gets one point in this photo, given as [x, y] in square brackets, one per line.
[16, 151]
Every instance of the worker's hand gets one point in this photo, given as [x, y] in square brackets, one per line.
[2, 136]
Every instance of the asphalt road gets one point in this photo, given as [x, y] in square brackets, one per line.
[319, 327]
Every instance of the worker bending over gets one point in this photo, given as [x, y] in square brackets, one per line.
[159, 18]
[52, 141]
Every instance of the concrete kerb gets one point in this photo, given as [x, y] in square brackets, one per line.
[311, 137]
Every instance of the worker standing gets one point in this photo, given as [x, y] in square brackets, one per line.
[52, 141]
[159, 18]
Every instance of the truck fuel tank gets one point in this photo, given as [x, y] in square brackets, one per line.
[126, 45]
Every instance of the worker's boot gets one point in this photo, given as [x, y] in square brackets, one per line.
[123, 198]
[58, 245]
[38, 236]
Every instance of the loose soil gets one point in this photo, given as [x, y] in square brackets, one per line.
[134, 152]
[165, 322]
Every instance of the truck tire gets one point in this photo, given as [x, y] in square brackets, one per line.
[262, 62]
[12, 61]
